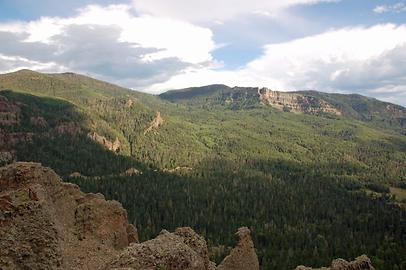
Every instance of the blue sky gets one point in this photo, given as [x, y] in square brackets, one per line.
[349, 46]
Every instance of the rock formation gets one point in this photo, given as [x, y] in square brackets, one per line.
[155, 123]
[185, 250]
[48, 224]
[182, 250]
[131, 172]
[129, 103]
[112, 146]
[243, 256]
[296, 102]
[360, 263]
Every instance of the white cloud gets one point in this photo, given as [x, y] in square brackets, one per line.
[210, 10]
[109, 42]
[320, 60]
[396, 8]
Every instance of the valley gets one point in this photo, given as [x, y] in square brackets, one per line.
[315, 176]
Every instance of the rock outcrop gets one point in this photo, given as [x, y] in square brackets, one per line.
[129, 103]
[131, 172]
[155, 123]
[360, 263]
[184, 250]
[48, 224]
[112, 146]
[296, 102]
[243, 256]
[181, 250]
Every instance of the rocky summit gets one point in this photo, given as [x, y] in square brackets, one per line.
[48, 224]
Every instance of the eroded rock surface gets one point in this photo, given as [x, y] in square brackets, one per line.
[360, 263]
[243, 256]
[296, 102]
[112, 146]
[155, 123]
[48, 224]
[182, 250]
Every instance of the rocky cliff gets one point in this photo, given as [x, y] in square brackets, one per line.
[48, 224]
[296, 102]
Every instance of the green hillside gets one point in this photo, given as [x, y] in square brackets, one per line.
[313, 186]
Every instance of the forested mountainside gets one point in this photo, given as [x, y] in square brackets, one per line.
[315, 176]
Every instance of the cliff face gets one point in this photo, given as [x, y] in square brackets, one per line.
[296, 102]
[48, 224]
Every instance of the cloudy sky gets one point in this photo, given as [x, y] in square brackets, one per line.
[349, 46]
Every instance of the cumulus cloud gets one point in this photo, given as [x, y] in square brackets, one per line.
[109, 42]
[319, 61]
[209, 10]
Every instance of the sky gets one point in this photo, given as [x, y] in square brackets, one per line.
[345, 46]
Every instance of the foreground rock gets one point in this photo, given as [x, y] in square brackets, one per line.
[182, 250]
[360, 263]
[185, 250]
[243, 256]
[48, 224]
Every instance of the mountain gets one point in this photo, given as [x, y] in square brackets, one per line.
[368, 110]
[321, 171]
